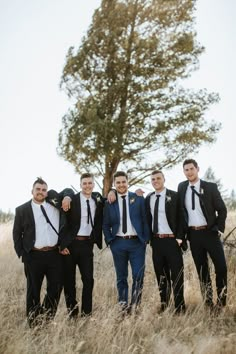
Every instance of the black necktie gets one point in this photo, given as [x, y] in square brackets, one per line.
[155, 221]
[124, 215]
[193, 197]
[89, 213]
[47, 218]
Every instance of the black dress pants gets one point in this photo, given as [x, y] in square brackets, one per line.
[42, 264]
[168, 265]
[202, 244]
[81, 254]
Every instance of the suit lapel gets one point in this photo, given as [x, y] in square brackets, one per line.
[30, 212]
[202, 199]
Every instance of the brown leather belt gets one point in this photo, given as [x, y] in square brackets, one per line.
[163, 235]
[46, 248]
[128, 237]
[82, 238]
[203, 227]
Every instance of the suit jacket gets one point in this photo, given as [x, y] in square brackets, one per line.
[24, 224]
[74, 220]
[171, 210]
[212, 205]
[111, 218]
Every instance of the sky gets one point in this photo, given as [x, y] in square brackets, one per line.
[34, 39]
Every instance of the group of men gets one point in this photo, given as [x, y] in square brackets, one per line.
[55, 232]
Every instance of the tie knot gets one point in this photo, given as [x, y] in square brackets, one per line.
[123, 197]
[158, 195]
[87, 201]
[192, 187]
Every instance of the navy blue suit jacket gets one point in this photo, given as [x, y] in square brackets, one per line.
[111, 218]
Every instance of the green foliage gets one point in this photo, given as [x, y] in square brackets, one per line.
[130, 109]
[6, 216]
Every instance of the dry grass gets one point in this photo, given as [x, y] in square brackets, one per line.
[149, 332]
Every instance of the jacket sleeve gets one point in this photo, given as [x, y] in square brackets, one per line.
[220, 208]
[106, 224]
[146, 228]
[18, 233]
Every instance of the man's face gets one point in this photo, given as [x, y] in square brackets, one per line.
[158, 182]
[39, 192]
[121, 184]
[87, 185]
[191, 172]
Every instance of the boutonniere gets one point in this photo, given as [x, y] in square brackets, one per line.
[168, 198]
[54, 201]
[201, 191]
[132, 200]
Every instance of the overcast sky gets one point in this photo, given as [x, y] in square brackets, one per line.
[34, 39]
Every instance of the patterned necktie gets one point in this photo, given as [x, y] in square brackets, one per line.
[155, 221]
[124, 214]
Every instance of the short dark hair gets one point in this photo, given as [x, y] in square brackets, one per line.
[188, 161]
[40, 181]
[86, 175]
[119, 174]
[157, 171]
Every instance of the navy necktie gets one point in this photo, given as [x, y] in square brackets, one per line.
[124, 215]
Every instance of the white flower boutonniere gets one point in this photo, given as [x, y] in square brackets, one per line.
[54, 201]
[201, 191]
[132, 200]
[168, 198]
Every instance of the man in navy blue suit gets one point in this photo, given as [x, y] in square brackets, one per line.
[126, 232]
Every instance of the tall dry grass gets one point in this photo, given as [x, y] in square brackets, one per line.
[148, 332]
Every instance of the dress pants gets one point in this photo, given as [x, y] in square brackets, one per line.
[42, 264]
[127, 251]
[168, 265]
[203, 243]
[81, 254]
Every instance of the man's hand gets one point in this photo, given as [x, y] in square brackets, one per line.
[66, 203]
[65, 252]
[111, 197]
[179, 241]
[139, 192]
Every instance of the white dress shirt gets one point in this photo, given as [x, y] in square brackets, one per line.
[44, 233]
[85, 227]
[163, 226]
[195, 217]
[130, 228]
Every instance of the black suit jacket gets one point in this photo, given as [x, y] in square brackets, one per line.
[24, 224]
[74, 220]
[212, 205]
[170, 209]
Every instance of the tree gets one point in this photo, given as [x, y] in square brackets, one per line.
[130, 109]
[231, 200]
[210, 176]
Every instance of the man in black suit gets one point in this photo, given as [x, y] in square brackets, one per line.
[36, 241]
[161, 207]
[84, 221]
[202, 215]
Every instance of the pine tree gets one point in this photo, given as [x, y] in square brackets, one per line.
[130, 109]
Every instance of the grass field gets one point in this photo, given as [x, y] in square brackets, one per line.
[105, 332]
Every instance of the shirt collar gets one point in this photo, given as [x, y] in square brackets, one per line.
[162, 193]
